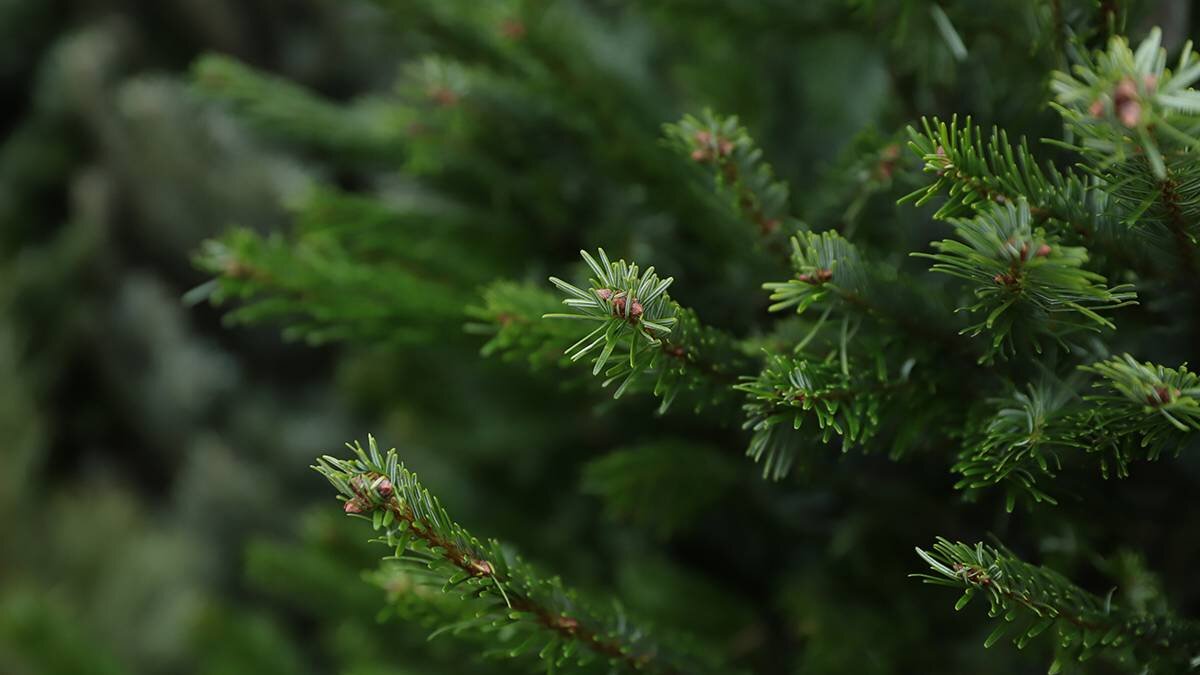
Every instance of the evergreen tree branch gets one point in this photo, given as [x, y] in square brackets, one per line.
[841, 400]
[854, 367]
[976, 173]
[1133, 116]
[370, 128]
[515, 604]
[1025, 281]
[511, 316]
[659, 338]
[723, 146]
[971, 170]
[1033, 599]
[323, 291]
[831, 272]
[1141, 410]
[1021, 442]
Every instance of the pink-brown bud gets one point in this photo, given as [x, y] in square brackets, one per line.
[816, 277]
[618, 305]
[1126, 103]
[1162, 396]
[481, 568]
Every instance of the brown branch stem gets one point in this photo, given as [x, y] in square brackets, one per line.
[565, 626]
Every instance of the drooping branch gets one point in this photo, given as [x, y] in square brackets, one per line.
[513, 601]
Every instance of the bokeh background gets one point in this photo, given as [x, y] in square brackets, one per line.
[157, 512]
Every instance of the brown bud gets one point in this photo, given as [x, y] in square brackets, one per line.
[1162, 395]
[480, 568]
[1043, 250]
[1024, 252]
[618, 305]
[354, 505]
[703, 137]
[1096, 109]
[701, 155]
[724, 146]
[1130, 113]
[1125, 89]
[816, 277]
[1126, 103]
[384, 488]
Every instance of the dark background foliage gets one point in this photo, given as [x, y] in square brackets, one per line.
[157, 513]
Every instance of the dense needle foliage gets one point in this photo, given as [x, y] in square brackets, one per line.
[695, 319]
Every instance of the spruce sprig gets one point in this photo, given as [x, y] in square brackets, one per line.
[827, 267]
[662, 341]
[1025, 282]
[973, 171]
[1137, 124]
[1020, 443]
[1124, 103]
[723, 146]
[530, 613]
[794, 390]
[1142, 409]
[1030, 600]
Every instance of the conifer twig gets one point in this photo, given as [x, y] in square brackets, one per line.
[511, 599]
[1032, 599]
[724, 146]
[657, 336]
